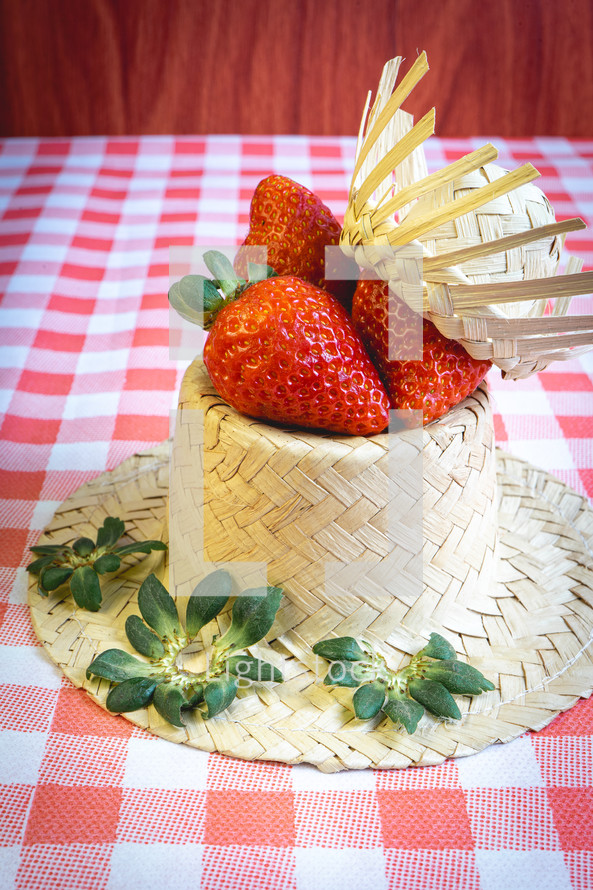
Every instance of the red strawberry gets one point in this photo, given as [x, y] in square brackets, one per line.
[284, 350]
[446, 374]
[296, 227]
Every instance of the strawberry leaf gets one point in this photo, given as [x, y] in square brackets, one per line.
[168, 699]
[109, 562]
[458, 677]
[368, 699]
[195, 298]
[437, 647]
[39, 563]
[194, 694]
[404, 710]
[131, 695]
[340, 649]
[54, 576]
[345, 673]
[83, 546]
[142, 639]
[250, 668]
[140, 547]
[110, 532]
[46, 549]
[435, 697]
[158, 608]
[222, 270]
[208, 598]
[85, 588]
[218, 694]
[252, 617]
[259, 272]
[117, 665]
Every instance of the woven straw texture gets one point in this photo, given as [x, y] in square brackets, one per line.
[535, 646]
[484, 241]
[521, 210]
[392, 536]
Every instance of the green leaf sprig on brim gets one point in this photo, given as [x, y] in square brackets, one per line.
[160, 637]
[82, 562]
[427, 682]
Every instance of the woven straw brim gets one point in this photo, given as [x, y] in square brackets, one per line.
[539, 650]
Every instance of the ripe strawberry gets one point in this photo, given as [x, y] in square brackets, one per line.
[446, 374]
[296, 226]
[284, 350]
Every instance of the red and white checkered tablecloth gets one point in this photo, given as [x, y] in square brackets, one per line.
[88, 800]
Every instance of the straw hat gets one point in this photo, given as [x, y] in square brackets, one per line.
[487, 239]
[463, 539]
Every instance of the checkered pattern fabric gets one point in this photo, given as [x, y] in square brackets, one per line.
[89, 801]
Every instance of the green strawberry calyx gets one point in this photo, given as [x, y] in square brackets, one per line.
[160, 678]
[199, 299]
[428, 682]
[82, 562]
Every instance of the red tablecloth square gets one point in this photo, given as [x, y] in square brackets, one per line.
[257, 147]
[61, 814]
[573, 816]
[46, 383]
[75, 305]
[140, 428]
[59, 341]
[151, 337]
[29, 429]
[564, 760]
[23, 484]
[250, 818]
[77, 714]
[83, 273]
[54, 147]
[14, 543]
[151, 379]
[556, 382]
[435, 819]
[586, 477]
[576, 427]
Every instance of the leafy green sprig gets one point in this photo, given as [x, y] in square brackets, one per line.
[199, 299]
[427, 682]
[81, 563]
[161, 638]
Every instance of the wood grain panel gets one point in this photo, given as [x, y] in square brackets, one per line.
[190, 66]
[510, 68]
[78, 67]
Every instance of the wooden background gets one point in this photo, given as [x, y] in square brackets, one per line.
[77, 67]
